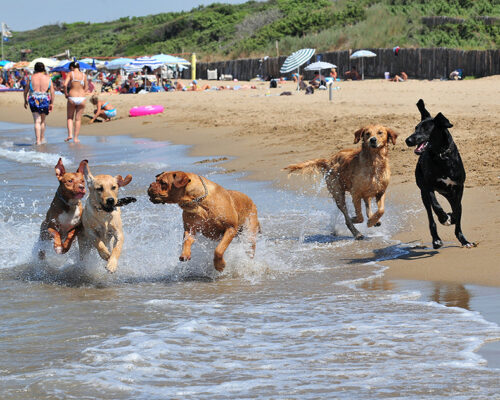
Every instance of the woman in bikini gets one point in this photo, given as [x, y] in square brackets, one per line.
[104, 109]
[39, 94]
[75, 88]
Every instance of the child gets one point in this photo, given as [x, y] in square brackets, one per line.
[104, 109]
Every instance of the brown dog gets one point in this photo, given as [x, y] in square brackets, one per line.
[101, 218]
[65, 212]
[207, 208]
[363, 172]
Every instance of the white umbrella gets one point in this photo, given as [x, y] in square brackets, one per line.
[171, 60]
[362, 54]
[295, 60]
[319, 65]
[47, 62]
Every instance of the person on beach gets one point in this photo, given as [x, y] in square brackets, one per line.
[353, 74]
[104, 109]
[400, 78]
[39, 94]
[75, 88]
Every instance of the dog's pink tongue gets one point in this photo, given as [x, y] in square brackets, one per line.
[420, 147]
[79, 195]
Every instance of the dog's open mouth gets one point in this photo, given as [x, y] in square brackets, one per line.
[79, 195]
[421, 147]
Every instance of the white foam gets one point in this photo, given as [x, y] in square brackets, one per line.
[33, 157]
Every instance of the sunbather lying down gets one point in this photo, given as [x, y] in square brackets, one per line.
[400, 78]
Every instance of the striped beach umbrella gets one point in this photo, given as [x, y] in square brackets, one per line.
[295, 60]
[142, 62]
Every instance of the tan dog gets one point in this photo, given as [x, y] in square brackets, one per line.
[363, 172]
[207, 208]
[64, 216]
[101, 219]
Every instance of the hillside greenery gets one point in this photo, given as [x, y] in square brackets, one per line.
[224, 31]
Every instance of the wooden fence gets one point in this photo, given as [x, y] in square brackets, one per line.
[417, 63]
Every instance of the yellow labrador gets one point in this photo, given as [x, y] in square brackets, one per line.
[101, 218]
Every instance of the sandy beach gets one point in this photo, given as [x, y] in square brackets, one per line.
[261, 132]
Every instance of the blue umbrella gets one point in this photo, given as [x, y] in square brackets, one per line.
[118, 63]
[362, 54]
[4, 62]
[65, 67]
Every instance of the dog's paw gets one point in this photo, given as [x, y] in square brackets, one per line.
[112, 265]
[58, 250]
[437, 244]
[448, 220]
[219, 264]
[469, 245]
[184, 258]
[359, 236]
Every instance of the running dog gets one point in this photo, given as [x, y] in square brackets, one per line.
[207, 208]
[101, 218]
[439, 168]
[364, 172]
[63, 218]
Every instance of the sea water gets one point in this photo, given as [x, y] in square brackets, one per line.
[296, 322]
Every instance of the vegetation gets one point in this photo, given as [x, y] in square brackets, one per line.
[252, 29]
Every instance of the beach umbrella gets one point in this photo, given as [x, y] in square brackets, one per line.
[48, 62]
[118, 63]
[171, 60]
[142, 62]
[18, 65]
[362, 54]
[319, 65]
[295, 60]
[65, 67]
[3, 63]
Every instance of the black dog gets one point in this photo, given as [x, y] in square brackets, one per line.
[440, 169]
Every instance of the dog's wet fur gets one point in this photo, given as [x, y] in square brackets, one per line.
[439, 168]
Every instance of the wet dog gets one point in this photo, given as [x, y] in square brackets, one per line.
[101, 218]
[208, 209]
[363, 172]
[439, 168]
[63, 218]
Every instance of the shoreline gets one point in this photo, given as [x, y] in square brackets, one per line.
[261, 134]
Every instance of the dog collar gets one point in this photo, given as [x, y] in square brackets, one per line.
[200, 198]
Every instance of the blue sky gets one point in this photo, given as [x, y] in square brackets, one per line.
[29, 14]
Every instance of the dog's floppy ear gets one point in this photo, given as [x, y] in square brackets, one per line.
[357, 135]
[180, 179]
[424, 114]
[392, 135]
[123, 182]
[60, 170]
[442, 121]
[82, 166]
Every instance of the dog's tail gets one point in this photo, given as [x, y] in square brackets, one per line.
[319, 165]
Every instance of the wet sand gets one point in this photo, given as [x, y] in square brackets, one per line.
[262, 132]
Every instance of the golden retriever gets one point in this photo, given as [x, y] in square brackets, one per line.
[364, 172]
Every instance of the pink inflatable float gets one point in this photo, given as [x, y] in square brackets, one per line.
[145, 110]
